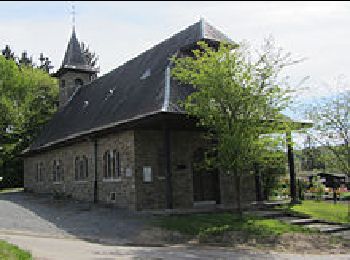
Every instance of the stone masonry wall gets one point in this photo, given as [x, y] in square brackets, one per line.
[149, 151]
[84, 189]
[137, 149]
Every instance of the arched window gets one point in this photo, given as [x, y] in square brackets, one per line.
[78, 82]
[86, 166]
[54, 171]
[76, 168]
[116, 164]
[81, 168]
[111, 164]
[57, 171]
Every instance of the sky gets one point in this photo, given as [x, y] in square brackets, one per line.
[119, 31]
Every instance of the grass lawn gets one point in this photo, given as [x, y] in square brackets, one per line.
[345, 195]
[206, 224]
[323, 210]
[12, 252]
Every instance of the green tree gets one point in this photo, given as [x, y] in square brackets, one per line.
[28, 98]
[237, 98]
[331, 131]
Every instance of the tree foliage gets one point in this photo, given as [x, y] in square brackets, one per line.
[239, 97]
[331, 119]
[28, 98]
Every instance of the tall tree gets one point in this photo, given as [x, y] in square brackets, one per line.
[331, 130]
[238, 97]
[28, 98]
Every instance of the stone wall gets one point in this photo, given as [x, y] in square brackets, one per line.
[69, 87]
[137, 149]
[124, 187]
[150, 151]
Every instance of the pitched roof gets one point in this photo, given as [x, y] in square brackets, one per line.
[140, 87]
[74, 57]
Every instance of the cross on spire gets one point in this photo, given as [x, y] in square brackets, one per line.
[73, 14]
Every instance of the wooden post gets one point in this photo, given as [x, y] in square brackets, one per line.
[293, 193]
[168, 173]
[257, 183]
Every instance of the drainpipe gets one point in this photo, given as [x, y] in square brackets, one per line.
[168, 173]
[95, 175]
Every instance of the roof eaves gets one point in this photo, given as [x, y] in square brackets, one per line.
[90, 131]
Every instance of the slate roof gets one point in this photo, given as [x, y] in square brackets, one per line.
[74, 57]
[140, 87]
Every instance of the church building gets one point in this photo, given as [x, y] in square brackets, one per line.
[123, 138]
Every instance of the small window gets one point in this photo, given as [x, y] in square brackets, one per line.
[63, 83]
[113, 196]
[78, 82]
[147, 174]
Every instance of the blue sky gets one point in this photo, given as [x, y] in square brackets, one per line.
[118, 31]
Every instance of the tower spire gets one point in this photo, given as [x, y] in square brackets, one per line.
[73, 13]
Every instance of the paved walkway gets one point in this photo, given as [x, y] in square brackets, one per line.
[40, 214]
[62, 249]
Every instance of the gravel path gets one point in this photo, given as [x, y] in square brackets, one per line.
[40, 214]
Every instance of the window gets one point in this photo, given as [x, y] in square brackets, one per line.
[113, 196]
[57, 170]
[81, 168]
[39, 177]
[76, 168]
[116, 168]
[63, 83]
[111, 164]
[147, 174]
[78, 82]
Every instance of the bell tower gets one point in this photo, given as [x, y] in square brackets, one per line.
[75, 71]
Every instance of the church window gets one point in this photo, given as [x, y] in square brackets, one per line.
[57, 171]
[111, 165]
[81, 168]
[39, 177]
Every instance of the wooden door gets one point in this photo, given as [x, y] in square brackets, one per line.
[205, 182]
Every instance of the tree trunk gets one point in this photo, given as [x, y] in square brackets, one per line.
[238, 194]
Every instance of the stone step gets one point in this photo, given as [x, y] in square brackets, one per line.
[303, 221]
[328, 228]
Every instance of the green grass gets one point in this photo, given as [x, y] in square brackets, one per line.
[323, 210]
[12, 252]
[204, 224]
[345, 195]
